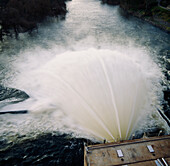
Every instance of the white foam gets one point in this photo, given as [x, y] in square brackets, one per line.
[102, 91]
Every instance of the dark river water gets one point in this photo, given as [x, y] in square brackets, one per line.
[47, 135]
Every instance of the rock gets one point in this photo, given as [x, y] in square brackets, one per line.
[7, 93]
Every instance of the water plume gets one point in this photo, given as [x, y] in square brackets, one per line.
[103, 91]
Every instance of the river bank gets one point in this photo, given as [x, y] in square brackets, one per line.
[23, 16]
[153, 12]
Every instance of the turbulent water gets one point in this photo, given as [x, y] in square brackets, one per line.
[98, 74]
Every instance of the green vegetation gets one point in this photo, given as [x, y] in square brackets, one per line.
[149, 10]
[161, 12]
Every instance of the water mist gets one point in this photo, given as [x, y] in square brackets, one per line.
[105, 92]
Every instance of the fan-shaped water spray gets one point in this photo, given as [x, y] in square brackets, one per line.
[103, 91]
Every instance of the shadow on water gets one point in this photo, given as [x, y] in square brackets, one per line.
[47, 149]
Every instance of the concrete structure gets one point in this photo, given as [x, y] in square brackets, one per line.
[140, 152]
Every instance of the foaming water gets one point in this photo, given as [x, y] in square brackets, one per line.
[105, 92]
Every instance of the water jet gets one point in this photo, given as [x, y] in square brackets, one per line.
[103, 91]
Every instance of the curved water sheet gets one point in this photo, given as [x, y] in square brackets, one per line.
[103, 91]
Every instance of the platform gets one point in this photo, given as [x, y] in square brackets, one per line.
[154, 151]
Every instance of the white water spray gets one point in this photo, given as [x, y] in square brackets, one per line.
[103, 91]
